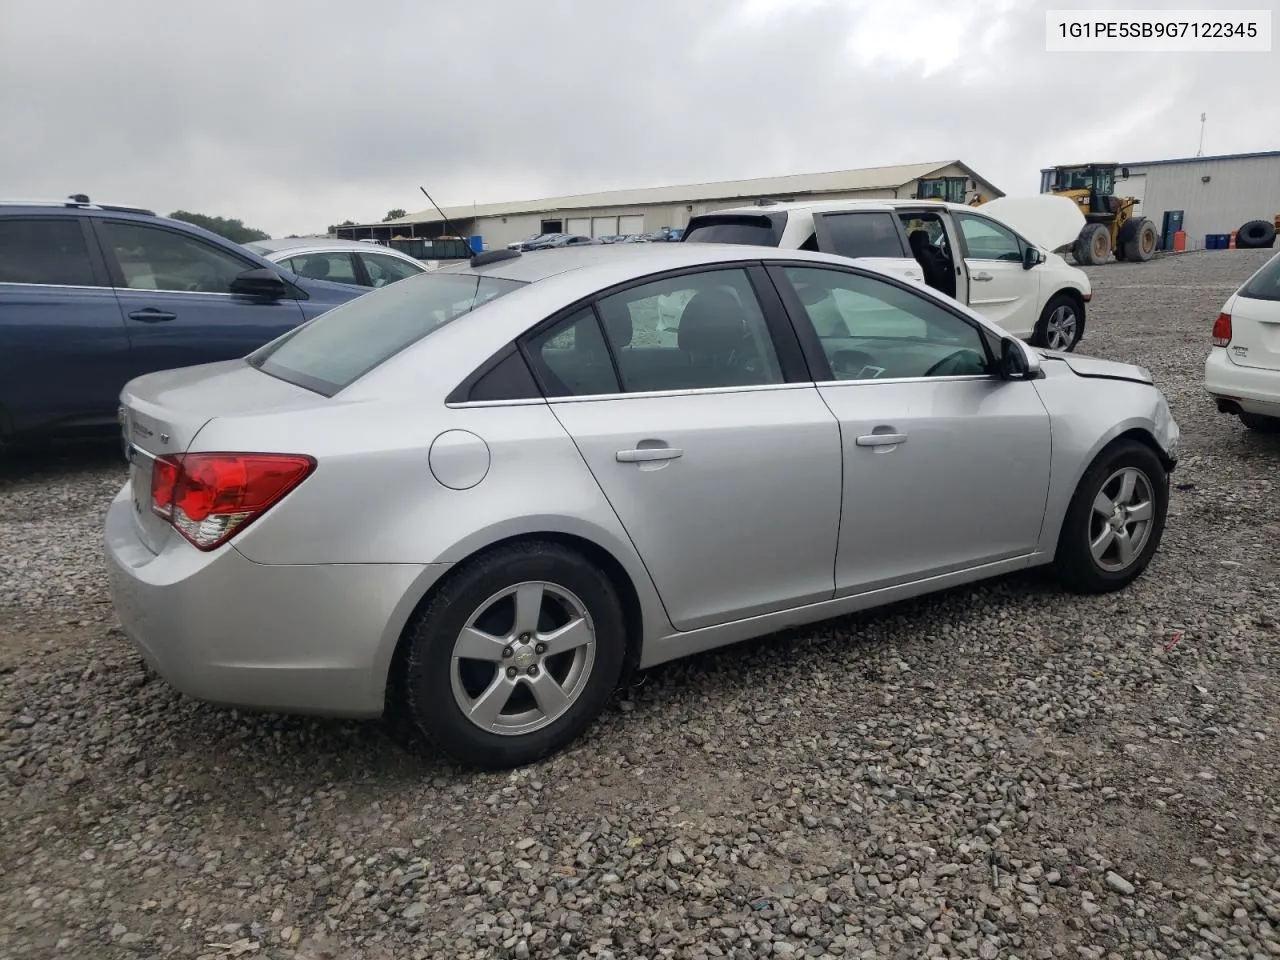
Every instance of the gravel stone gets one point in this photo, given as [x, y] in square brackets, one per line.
[1003, 771]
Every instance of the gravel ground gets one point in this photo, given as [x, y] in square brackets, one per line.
[1000, 772]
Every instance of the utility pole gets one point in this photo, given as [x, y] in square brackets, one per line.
[1200, 152]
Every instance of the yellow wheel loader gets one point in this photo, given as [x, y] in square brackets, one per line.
[1114, 225]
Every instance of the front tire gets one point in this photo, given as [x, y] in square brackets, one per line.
[1093, 245]
[1260, 423]
[1115, 521]
[515, 656]
[1061, 324]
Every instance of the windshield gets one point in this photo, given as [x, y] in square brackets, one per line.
[760, 231]
[337, 348]
[1265, 284]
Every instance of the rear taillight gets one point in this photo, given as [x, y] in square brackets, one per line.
[1222, 330]
[210, 497]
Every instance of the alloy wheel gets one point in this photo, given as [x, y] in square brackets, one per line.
[523, 658]
[1060, 330]
[1120, 523]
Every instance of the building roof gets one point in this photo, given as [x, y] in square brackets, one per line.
[1160, 163]
[836, 181]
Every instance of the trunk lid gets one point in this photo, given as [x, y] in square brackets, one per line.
[161, 414]
[1047, 221]
[1255, 325]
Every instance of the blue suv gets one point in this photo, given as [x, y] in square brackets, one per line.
[93, 295]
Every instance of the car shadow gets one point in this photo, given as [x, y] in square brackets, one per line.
[61, 458]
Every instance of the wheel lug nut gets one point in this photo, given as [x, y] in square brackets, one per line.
[533, 671]
[524, 638]
[508, 653]
[540, 649]
[511, 673]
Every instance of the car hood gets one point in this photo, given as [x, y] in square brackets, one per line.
[1047, 221]
[1098, 368]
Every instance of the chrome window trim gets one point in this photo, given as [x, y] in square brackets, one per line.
[56, 286]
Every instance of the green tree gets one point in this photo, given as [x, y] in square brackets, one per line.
[233, 230]
[333, 228]
[395, 214]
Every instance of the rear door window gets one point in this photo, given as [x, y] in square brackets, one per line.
[870, 234]
[48, 251]
[1265, 284]
[339, 347]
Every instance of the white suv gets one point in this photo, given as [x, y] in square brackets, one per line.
[997, 259]
[1242, 372]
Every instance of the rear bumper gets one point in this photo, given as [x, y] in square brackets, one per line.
[1253, 389]
[305, 638]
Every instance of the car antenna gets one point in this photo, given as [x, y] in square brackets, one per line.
[478, 259]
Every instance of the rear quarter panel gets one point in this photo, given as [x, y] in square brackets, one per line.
[1087, 414]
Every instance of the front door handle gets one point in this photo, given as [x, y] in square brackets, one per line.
[649, 453]
[881, 439]
[151, 315]
[981, 277]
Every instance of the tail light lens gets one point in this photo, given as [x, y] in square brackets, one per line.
[210, 497]
[1222, 330]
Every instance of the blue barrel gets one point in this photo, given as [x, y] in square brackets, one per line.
[476, 242]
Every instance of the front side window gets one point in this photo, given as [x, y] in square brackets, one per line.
[338, 347]
[383, 269]
[987, 240]
[45, 250]
[862, 234]
[870, 329]
[153, 258]
[333, 265]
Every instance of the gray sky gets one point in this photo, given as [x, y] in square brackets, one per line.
[294, 114]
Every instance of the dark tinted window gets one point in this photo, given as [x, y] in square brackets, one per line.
[1265, 284]
[572, 359]
[863, 234]
[509, 380]
[339, 347]
[153, 258]
[758, 231]
[44, 251]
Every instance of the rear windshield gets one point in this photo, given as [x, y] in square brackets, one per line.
[339, 347]
[759, 231]
[1265, 284]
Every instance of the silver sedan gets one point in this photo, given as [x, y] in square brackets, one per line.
[483, 494]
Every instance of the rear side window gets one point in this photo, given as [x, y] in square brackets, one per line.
[339, 347]
[862, 234]
[46, 251]
[752, 230]
[1265, 284]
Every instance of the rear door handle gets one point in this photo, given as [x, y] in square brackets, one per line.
[649, 453]
[881, 439]
[151, 315]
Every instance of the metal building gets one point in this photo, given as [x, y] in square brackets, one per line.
[1215, 194]
[630, 212]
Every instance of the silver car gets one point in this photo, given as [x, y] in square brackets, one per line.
[484, 494]
[353, 262]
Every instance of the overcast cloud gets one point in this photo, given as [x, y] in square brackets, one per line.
[294, 114]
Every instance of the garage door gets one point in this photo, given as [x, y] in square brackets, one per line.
[604, 226]
[1135, 186]
[579, 226]
[630, 226]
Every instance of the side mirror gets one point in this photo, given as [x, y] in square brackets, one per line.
[261, 284]
[1030, 257]
[1017, 360]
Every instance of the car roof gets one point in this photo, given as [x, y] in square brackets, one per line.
[540, 265]
[311, 243]
[821, 206]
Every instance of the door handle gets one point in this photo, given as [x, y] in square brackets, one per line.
[981, 277]
[151, 315]
[881, 439]
[649, 453]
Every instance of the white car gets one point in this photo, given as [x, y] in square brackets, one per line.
[1242, 372]
[357, 263]
[997, 258]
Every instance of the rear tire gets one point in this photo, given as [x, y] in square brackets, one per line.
[1260, 423]
[1256, 235]
[535, 633]
[1061, 324]
[1093, 246]
[1099, 549]
[1140, 240]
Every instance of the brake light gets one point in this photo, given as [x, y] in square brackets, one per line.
[1222, 330]
[210, 497]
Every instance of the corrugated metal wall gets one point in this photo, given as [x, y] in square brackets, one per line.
[1237, 190]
